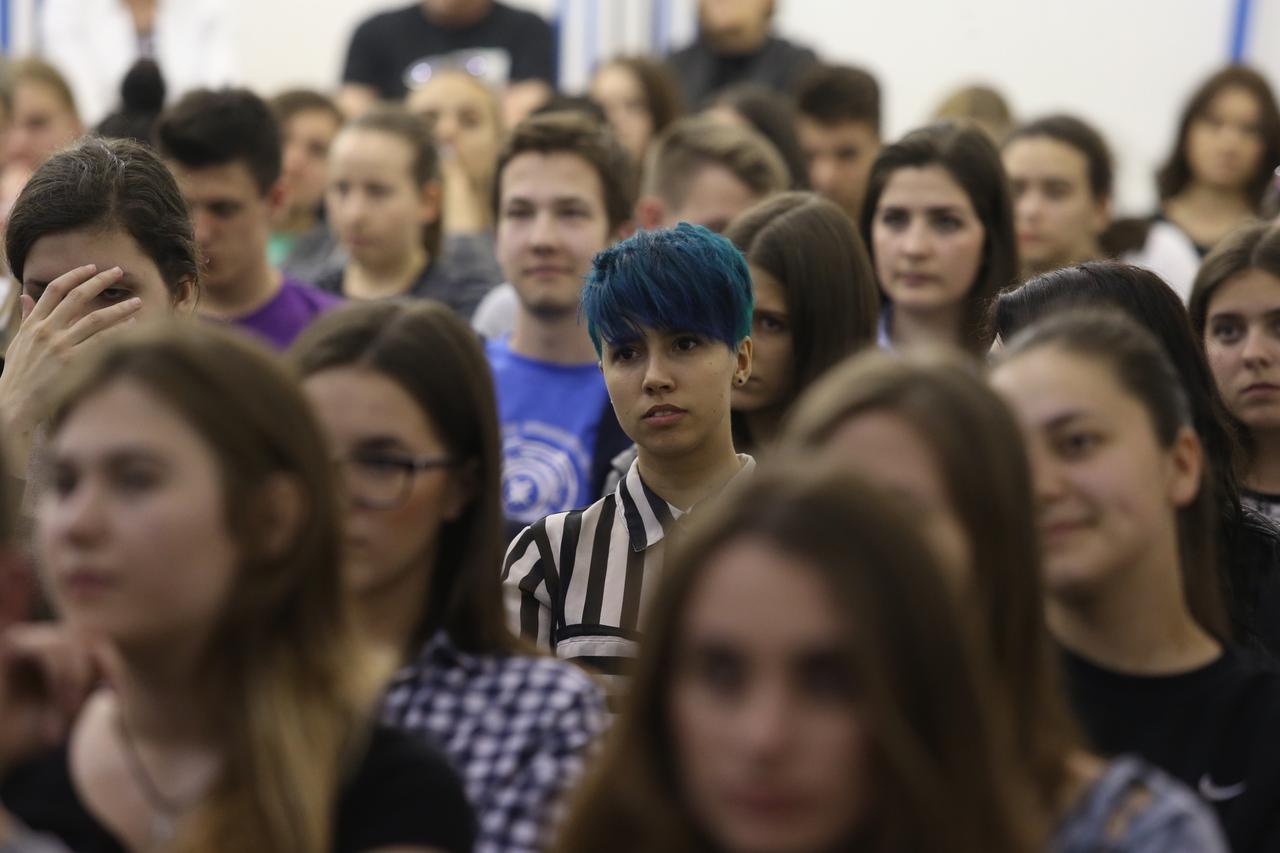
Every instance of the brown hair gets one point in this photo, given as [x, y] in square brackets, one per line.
[973, 162]
[292, 102]
[1074, 133]
[982, 105]
[108, 184]
[943, 776]
[1255, 246]
[434, 356]
[280, 668]
[1174, 176]
[424, 164]
[1143, 369]
[977, 450]
[692, 142]
[661, 90]
[812, 247]
[834, 94]
[33, 70]
[572, 133]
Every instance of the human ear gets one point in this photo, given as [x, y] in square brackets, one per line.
[185, 297]
[282, 507]
[1185, 468]
[429, 202]
[464, 483]
[650, 211]
[742, 370]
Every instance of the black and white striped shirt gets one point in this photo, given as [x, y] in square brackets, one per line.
[578, 583]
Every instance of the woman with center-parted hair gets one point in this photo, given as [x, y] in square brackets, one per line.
[1126, 518]
[190, 535]
[968, 484]
[806, 685]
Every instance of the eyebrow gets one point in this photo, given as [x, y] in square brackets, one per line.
[380, 442]
[114, 456]
[1236, 313]
[1061, 420]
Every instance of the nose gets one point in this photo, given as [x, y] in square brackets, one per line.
[766, 722]
[446, 129]
[657, 375]
[78, 517]
[916, 241]
[821, 174]
[1028, 207]
[1047, 480]
[543, 235]
[1257, 350]
[204, 227]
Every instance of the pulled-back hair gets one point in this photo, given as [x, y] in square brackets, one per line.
[978, 452]
[1141, 366]
[972, 161]
[813, 249]
[1074, 133]
[209, 128]
[682, 279]
[107, 184]
[939, 767]
[1174, 176]
[566, 132]
[280, 670]
[435, 358]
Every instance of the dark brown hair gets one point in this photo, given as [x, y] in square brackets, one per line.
[978, 452]
[572, 133]
[291, 102]
[424, 163]
[437, 360]
[1143, 369]
[1075, 133]
[661, 90]
[1255, 246]
[105, 184]
[1174, 176]
[694, 141]
[773, 116]
[834, 94]
[942, 775]
[973, 162]
[812, 248]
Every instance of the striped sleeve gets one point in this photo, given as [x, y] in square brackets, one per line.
[527, 579]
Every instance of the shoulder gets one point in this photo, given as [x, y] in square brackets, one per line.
[305, 294]
[403, 793]
[391, 21]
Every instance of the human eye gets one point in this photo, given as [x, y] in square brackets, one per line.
[1057, 191]
[946, 222]
[720, 671]
[826, 678]
[895, 218]
[517, 211]
[624, 353]
[847, 155]
[1077, 444]
[224, 209]
[64, 479]
[686, 343]
[1226, 330]
[381, 464]
[115, 294]
[134, 476]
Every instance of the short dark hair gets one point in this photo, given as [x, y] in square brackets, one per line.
[690, 143]
[574, 133]
[833, 94]
[1174, 176]
[971, 159]
[101, 183]
[216, 128]
[291, 102]
[415, 132]
[773, 116]
[1075, 133]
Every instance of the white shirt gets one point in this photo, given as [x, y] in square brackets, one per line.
[94, 44]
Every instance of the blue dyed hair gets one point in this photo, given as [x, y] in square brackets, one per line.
[682, 279]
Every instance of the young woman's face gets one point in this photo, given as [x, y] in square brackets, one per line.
[55, 254]
[671, 390]
[618, 91]
[886, 449]
[1242, 341]
[132, 529]
[1057, 216]
[375, 204]
[1224, 144]
[1106, 489]
[464, 120]
[393, 516]
[773, 353]
[927, 240]
[42, 124]
[307, 137]
[770, 747]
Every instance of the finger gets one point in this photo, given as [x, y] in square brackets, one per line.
[74, 303]
[28, 305]
[104, 318]
[59, 288]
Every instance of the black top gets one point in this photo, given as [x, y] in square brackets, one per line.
[1216, 728]
[1250, 555]
[402, 794]
[703, 73]
[387, 47]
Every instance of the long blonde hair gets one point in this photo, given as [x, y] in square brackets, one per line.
[280, 668]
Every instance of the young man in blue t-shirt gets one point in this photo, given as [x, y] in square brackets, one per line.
[565, 193]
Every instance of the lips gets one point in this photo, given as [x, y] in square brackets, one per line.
[545, 271]
[86, 582]
[664, 415]
[915, 279]
[1260, 388]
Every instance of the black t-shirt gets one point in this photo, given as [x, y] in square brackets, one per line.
[391, 49]
[1216, 728]
[402, 794]
[703, 72]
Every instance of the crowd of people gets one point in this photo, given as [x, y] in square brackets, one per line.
[444, 462]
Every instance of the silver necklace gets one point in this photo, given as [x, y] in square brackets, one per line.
[165, 811]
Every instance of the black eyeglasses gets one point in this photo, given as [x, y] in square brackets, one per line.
[384, 480]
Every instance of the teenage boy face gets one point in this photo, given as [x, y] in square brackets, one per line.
[307, 136]
[840, 157]
[671, 390]
[551, 223]
[232, 220]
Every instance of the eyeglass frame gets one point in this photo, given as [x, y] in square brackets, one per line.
[410, 467]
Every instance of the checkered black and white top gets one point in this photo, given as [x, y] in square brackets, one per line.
[517, 729]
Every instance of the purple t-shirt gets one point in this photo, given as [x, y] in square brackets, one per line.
[283, 318]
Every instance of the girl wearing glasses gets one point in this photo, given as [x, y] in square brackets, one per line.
[405, 395]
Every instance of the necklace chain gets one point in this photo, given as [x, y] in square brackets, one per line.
[167, 810]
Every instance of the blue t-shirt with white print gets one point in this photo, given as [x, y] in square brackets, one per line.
[550, 414]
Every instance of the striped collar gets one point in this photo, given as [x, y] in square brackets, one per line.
[648, 516]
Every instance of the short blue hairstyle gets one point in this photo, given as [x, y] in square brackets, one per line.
[682, 279]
